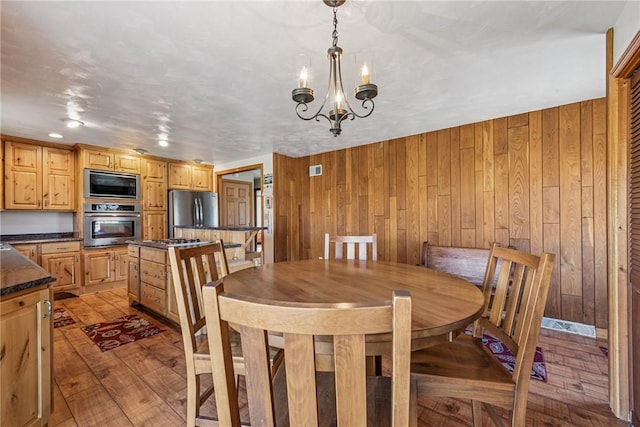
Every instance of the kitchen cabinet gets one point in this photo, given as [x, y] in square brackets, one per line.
[154, 182]
[39, 177]
[153, 279]
[104, 266]
[111, 161]
[26, 370]
[133, 280]
[154, 225]
[62, 260]
[30, 250]
[184, 176]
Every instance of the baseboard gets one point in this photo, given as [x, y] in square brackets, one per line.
[570, 327]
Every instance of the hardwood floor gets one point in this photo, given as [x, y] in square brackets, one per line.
[143, 383]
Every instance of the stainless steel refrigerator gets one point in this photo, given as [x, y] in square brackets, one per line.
[193, 209]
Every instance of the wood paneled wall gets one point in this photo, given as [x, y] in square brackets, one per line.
[536, 181]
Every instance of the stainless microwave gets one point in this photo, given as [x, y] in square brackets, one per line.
[112, 185]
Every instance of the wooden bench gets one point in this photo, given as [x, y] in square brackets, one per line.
[468, 263]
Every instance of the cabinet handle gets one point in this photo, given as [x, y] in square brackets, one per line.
[77, 258]
[49, 308]
[39, 203]
[33, 252]
[46, 202]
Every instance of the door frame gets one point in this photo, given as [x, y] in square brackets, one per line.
[618, 96]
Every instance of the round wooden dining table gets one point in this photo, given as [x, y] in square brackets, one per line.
[442, 304]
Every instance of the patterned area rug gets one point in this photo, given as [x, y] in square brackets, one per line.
[504, 355]
[61, 317]
[125, 330]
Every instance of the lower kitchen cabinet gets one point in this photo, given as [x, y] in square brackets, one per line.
[105, 266]
[156, 283]
[26, 370]
[62, 260]
[133, 280]
[30, 250]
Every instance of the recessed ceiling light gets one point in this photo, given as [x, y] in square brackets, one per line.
[55, 135]
[140, 150]
[72, 123]
[163, 143]
[198, 161]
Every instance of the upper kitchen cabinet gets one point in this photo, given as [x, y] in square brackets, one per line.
[185, 176]
[39, 177]
[111, 161]
[154, 181]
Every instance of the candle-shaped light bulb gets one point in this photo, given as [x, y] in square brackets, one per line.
[302, 80]
[365, 75]
[338, 100]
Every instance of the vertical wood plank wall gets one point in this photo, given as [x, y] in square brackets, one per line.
[536, 181]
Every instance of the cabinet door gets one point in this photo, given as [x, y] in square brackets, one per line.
[94, 159]
[99, 267]
[122, 265]
[23, 176]
[154, 225]
[58, 174]
[29, 250]
[202, 178]
[179, 176]
[26, 368]
[154, 195]
[133, 280]
[155, 170]
[127, 163]
[65, 267]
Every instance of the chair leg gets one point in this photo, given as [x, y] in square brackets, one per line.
[476, 410]
[193, 397]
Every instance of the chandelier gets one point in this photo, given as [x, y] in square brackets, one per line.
[335, 99]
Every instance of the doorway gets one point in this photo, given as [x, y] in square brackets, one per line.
[241, 203]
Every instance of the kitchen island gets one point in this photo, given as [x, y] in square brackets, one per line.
[26, 345]
[240, 258]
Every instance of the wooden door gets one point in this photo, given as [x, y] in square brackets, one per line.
[121, 265]
[58, 175]
[202, 178]
[65, 268]
[99, 160]
[634, 247]
[155, 195]
[127, 163]
[30, 250]
[154, 224]
[23, 180]
[236, 209]
[179, 176]
[99, 268]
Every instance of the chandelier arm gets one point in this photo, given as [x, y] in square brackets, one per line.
[362, 116]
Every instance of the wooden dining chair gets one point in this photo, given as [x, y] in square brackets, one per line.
[351, 242]
[191, 268]
[298, 394]
[515, 287]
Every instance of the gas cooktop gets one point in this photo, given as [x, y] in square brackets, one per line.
[175, 242]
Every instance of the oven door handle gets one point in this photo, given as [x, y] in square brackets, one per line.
[112, 214]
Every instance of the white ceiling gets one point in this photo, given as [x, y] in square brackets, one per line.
[218, 75]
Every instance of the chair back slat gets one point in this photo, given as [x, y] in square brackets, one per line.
[300, 325]
[360, 245]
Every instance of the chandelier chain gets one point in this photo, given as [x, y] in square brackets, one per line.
[335, 27]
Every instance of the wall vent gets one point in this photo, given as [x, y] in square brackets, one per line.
[315, 170]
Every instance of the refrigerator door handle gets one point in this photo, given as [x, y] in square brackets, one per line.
[199, 223]
[195, 212]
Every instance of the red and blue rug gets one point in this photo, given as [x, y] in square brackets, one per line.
[121, 331]
[504, 355]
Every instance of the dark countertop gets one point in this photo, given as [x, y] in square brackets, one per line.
[39, 238]
[18, 273]
[223, 228]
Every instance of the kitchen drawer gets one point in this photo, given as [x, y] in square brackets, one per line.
[133, 251]
[153, 298]
[57, 247]
[153, 274]
[155, 255]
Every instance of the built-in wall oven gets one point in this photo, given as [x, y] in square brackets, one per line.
[111, 223]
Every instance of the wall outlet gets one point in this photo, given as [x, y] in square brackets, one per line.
[315, 170]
